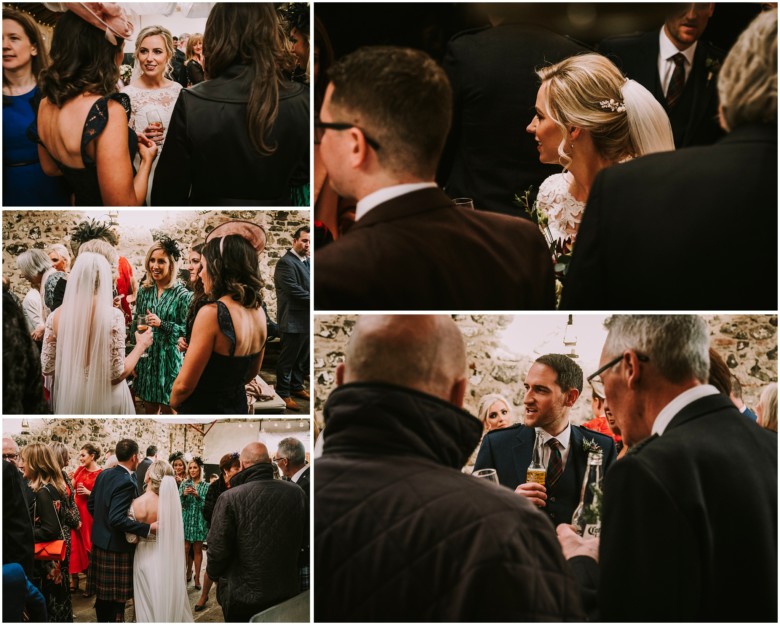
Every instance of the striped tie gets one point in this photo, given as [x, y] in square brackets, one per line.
[677, 83]
[555, 464]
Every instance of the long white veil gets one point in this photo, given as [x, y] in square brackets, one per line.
[647, 120]
[82, 378]
[171, 603]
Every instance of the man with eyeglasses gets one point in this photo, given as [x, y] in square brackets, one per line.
[385, 118]
[291, 460]
[689, 519]
[552, 386]
[10, 450]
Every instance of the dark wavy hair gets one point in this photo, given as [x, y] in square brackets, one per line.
[82, 60]
[250, 34]
[41, 59]
[234, 270]
[229, 461]
[199, 297]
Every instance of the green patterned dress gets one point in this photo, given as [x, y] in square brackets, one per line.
[195, 528]
[157, 372]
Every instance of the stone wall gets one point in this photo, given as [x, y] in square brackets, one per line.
[23, 230]
[748, 343]
[106, 433]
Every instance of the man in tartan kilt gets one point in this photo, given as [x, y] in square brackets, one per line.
[111, 564]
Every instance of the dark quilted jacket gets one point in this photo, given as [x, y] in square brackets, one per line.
[257, 530]
[402, 535]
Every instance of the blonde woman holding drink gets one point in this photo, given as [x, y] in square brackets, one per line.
[152, 95]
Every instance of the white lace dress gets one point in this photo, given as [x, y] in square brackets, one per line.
[141, 102]
[564, 213]
[121, 399]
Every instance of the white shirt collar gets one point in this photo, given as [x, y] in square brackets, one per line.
[376, 198]
[563, 438]
[668, 49]
[303, 258]
[297, 475]
[678, 403]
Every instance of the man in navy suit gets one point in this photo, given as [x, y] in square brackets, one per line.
[689, 522]
[111, 562]
[553, 384]
[679, 69]
[291, 279]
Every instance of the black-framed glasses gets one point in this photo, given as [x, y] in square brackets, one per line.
[278, 460]
[346, 126]
[594, 379]
[10, 456]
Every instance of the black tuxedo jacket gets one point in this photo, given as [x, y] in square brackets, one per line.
[695, 116]
[108, 504]
[489, 156]
[690, 523]
[672, 230]
[419, 252]
[509, 451]
[291, 280]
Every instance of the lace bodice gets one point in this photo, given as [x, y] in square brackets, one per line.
[144, 100]
[563, 211]
[49, 351]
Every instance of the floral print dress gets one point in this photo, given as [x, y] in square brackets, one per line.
[195, 527]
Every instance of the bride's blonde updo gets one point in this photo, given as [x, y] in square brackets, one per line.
[585, 92]
[156, 472]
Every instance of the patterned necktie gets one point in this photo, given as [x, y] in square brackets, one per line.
[677, 83]
[555, 464]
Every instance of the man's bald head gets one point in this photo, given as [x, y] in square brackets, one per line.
[10, 446]
[423, 352]
[254, 453]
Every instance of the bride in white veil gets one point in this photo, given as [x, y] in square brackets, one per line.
[84, 341]
[589, 117]
[159, 587]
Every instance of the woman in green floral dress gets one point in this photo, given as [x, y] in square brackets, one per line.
[193, 495]
[165, 301]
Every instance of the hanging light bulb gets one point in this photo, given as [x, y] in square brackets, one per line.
[570, 339]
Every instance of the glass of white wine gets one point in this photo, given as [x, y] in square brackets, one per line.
[143, 326]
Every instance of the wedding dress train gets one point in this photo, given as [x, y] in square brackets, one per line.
[159, 588]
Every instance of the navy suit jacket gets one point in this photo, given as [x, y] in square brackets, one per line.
[108, 504]
[509, 452]
[291, 279]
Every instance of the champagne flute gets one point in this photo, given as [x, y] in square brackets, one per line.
[143, 326]
[487, 474]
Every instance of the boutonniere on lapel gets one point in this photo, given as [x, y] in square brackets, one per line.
[713, 67]
[589, 445]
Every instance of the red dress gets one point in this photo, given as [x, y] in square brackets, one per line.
[123, 286]
[81, 539]
[600, 424]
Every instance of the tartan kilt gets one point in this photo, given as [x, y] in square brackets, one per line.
[111, 574]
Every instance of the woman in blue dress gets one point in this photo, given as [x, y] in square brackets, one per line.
[24, 56]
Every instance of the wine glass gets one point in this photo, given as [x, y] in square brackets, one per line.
[143, 326]
[153, 119]
[464, 202]
[487, 474]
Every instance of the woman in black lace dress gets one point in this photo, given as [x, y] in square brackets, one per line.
[82, 120]
[229, 334]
